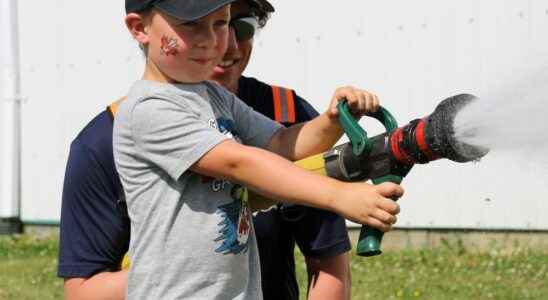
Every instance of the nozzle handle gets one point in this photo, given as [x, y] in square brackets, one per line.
[356, 134]
[369, 242]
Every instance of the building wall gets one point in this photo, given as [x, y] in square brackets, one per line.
[77, 58]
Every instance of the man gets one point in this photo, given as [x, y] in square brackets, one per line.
[94, 223]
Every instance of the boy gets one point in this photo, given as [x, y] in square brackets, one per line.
[95, 227]
[191, 234]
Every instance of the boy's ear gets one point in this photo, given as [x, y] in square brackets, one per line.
[137, 26]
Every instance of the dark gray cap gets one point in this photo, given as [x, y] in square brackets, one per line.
[187, 10]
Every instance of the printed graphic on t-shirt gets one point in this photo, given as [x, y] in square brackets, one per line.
[226, 127]
[244, 219]
[236, 224]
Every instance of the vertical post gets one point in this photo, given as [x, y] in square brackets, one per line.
[10, 120]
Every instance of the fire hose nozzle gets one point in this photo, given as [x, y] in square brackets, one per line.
[391, 155]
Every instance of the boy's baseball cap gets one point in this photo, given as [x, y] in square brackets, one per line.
[187, 10]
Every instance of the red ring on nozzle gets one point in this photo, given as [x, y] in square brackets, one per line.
[399, 153]
[421, 142]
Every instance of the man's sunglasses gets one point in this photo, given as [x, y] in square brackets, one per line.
[244, 28]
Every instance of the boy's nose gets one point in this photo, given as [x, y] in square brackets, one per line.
[207, 38]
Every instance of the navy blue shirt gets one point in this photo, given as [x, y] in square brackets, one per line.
[95, 226]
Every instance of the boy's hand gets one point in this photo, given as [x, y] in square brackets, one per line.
[369, 204]
[360, 102]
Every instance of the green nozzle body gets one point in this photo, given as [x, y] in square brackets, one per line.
[365, 149]
[369, 242]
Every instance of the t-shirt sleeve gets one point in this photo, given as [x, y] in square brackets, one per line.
[94, 230]
[171, 135]
[321, 234]
[254, 128]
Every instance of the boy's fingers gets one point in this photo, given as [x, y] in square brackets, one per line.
[359, 101]
[376, 103]
[352, 100]
[333, 107]
[379, 225]
[390, 190]
[385, 217]
[362, 102]
[371, 103]
[352, 105]
[389, 206]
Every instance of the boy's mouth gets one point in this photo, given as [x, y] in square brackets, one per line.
[203, 61]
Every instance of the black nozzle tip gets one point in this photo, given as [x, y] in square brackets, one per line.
[442, 132]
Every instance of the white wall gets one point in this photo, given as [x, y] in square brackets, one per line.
[76, 58]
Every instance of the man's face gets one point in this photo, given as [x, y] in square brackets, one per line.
[237, 54]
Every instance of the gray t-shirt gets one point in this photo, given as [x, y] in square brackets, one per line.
[191, 236]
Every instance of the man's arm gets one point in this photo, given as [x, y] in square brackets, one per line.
[329, 278]
[94, 230]
[101, 286]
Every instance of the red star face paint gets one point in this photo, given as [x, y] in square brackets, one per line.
[169, 46]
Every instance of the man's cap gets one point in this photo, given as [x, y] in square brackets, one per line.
[263, 5]
[187, 10]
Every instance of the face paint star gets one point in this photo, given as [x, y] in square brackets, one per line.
[169, 46]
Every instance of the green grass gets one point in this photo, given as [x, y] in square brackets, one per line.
[449, 272]
[28, 267]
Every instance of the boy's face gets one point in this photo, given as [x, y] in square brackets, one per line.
[237, 55]
[187, 51]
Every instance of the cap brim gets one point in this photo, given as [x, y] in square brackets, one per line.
[190, 10]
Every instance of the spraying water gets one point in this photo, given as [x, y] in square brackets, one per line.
[514, 118]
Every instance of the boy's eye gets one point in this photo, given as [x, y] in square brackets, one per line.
[221, 23]
[188, 23]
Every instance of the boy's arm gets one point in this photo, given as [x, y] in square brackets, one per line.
[305, 139]
[104, 286]
[321, 133]
[270, 175]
